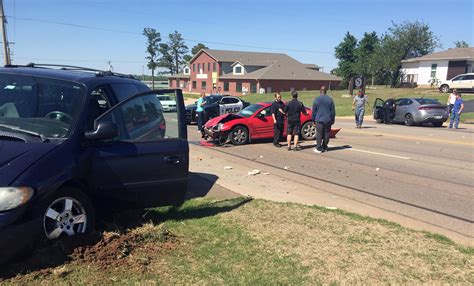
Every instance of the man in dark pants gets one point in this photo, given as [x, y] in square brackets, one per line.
[324, 115]
[293, 109]
[389, 110]
[278, 116]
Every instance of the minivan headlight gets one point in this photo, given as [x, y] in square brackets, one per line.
[11, 197]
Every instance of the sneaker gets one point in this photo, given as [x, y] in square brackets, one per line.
[277, 145]
[297, 148]
[316, 150]
[289, 148]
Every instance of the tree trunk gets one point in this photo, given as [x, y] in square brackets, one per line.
[152, 79]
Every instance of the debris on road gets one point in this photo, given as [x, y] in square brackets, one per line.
[261, 156]
[377, 169]
[266, 173]
[199, 159]
[254, 172]
[331, 208]
[286, 167]
[228, 168]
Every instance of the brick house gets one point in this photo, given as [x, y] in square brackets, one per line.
[239, 73]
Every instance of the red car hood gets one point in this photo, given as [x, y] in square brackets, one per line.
[226, 117]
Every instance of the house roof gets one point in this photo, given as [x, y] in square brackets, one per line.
[451, 54]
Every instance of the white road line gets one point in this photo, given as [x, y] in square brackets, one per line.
[373, 126]
[375, 153]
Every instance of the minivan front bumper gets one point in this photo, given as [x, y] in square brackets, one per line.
[18, 237]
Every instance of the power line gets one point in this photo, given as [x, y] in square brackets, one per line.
[186, 39]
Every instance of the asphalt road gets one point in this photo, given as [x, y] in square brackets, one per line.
[423, 173]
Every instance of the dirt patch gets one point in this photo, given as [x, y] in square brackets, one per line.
[100, 250]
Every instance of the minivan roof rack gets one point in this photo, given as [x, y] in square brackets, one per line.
[75, 68]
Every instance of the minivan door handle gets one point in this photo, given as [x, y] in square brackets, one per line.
[173, 159]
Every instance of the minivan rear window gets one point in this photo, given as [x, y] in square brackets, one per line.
[42, 105]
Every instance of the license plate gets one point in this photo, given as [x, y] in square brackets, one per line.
[438, 117]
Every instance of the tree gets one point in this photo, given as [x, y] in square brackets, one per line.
[461, 44]
[345, 53]
[166, 59]
[197, 48]
[404, 41]
[177, 49]
[153, 39]
[366, 55]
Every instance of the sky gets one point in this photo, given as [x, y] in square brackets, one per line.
[92, 33]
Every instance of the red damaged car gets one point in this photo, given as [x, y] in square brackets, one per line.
[251, 123]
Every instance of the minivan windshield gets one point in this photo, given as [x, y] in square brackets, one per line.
[44, 106]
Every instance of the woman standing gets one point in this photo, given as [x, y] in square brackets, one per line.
[200, 110]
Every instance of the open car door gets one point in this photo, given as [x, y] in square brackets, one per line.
[146, 163]
[379, 110]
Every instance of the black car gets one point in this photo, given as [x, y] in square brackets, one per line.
[216, 105]
[72, 140]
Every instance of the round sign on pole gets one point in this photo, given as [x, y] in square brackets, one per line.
[358, 82]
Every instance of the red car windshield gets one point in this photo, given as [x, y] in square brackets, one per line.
[249, 110]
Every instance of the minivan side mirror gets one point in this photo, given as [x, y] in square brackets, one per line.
[103, 131]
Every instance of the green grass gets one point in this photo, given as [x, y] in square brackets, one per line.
[344, 104]
[255, 242]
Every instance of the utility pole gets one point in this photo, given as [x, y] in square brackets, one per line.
[6, 50]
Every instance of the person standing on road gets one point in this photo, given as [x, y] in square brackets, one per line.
[451, 100]
[278, 116]
[324, 115]
[389, 110]
[358, 104]
[200, 110]
[456, 112]
[293, 110]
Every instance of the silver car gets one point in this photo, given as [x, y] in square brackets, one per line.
[413, 111]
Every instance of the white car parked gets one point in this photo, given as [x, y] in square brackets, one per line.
[462, 82]
[168, 103]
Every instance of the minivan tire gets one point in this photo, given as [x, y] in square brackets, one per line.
[67, 213]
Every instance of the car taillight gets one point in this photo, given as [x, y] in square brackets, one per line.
[162, 126]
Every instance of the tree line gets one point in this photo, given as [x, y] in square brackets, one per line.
[378, 58]
[171, 55]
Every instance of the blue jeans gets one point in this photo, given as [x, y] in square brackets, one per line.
[200, 119]
[359, 116]
[455, 117]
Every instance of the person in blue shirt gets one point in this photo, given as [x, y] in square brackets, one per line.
[200, 110]
[456, 111]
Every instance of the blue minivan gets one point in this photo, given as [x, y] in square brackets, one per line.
[73, 140]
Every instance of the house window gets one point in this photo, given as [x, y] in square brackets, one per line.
[194, 84]
[238, 87]
[194, 67]
[199, 68]
[203, 84]
[226, 86]
[433, 70]
[238, 70]
[186, 70]
[203, 67]
[177, 82]
[214, 66]
[208, 67]
[253, 87]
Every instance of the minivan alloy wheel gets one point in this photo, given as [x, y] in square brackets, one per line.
[64, 215]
